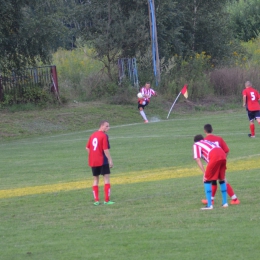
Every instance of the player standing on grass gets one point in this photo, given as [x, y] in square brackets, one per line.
[221, 143]
[100, 161]
[250, 101]
[147, 93]
[216, 168]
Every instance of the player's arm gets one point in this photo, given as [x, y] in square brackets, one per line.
[244, 100]
[154, 93]
[198, 161]
[224, 146]
[109, 158]
[88, 146]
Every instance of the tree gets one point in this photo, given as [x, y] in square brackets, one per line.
[29, 31]
[205, 27]
[169, 27]
[245, 19]
[114, 28]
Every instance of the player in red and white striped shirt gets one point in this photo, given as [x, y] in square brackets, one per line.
[216, 168]
[221, 143]
[147, 93]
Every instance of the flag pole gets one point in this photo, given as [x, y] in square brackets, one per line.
[173, 104]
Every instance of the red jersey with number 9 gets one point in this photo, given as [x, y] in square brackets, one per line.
[252, 97]
[97, 143]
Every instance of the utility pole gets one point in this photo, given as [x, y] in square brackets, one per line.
[154, 41]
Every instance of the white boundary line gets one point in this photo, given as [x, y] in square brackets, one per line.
[120, 126]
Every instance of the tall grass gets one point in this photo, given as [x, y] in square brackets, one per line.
[77, 72]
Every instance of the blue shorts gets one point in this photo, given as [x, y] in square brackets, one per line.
[100, 170]
[252, 115]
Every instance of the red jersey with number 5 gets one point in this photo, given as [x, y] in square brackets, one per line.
[97, 143]
[252, 97]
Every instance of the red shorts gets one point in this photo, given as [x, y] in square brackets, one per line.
[216, 168]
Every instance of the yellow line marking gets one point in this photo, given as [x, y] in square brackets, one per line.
[128, 178]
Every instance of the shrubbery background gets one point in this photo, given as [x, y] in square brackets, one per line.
[83, 78]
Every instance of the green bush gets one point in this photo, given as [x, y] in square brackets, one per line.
[191, 71]
[125, 95]
[29, 94]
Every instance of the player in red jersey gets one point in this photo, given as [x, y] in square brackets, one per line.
[216, 168]
[221, 143]
[99, 159]
[251, 102]
[143, 102]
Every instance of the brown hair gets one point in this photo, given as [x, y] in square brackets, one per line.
[198, 138]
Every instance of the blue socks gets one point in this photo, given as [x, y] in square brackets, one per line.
[208, 192]
[223, 188]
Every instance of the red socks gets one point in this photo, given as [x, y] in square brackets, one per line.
[252, 130]
[107, 192]
[230, 191]
[214, 189]
[95, 192]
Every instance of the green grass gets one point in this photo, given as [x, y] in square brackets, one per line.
[156, 185]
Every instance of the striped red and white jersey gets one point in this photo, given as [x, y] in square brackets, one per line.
[202, 149]
[149, 92]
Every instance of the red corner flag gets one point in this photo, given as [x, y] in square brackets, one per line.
[184, 91]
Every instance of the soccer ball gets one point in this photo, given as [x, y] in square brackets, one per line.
[139, 95]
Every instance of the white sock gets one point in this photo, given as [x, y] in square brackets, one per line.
[234, 197]
[143, 115]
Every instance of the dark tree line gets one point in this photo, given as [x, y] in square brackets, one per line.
[31, 30]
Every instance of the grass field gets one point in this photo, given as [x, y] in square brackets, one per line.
[47, 207]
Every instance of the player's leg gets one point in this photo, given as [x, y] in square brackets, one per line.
[214, 188]
[223, 188]
[107, 186]
[251, 117]
[222, 182]
[208, 192]
[142, 113]
[210, 175]
[95, 189]
[252, 129]
[232, 195]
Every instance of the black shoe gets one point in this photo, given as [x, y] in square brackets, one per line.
[251, 136]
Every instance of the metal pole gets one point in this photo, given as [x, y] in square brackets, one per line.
[153, 29]
[156, 46]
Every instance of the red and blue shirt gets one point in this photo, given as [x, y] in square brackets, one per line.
[97, 143]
